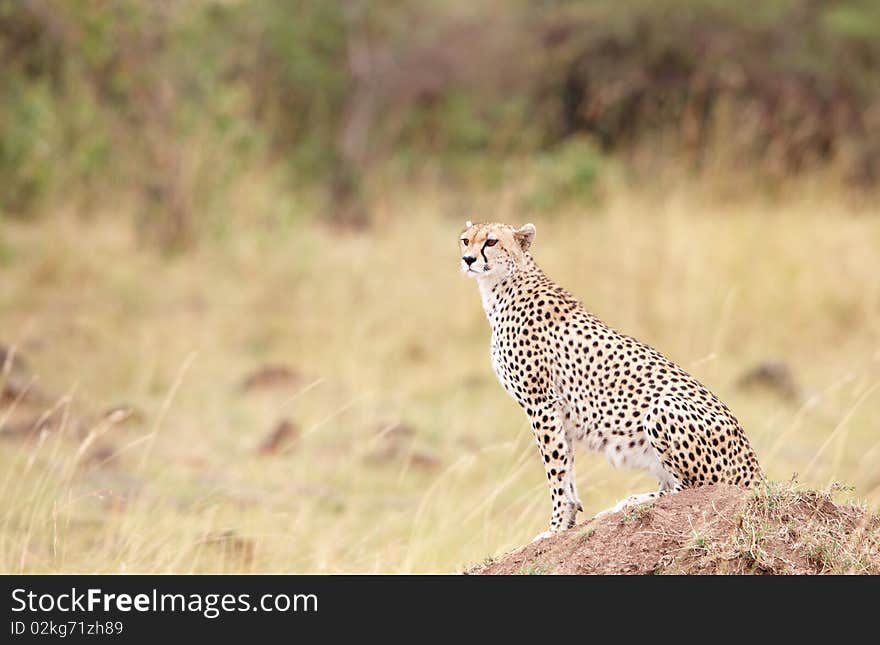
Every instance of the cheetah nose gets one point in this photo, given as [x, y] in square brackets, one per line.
[469, 259]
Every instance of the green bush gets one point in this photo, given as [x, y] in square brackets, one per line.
[98, 97]
[31, 135]
[566, 174]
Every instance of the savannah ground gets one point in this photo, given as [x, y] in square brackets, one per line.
[778, 528]
[403, 454]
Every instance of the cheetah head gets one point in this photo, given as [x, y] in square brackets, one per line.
[494, 250]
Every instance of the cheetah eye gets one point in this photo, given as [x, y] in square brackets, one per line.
[491, 242]
[465, 241]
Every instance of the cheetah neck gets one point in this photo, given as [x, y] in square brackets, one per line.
[493, 290]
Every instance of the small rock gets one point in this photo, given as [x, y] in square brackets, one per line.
[280, 439]
[30, 427]
[16, 381]
[123, 414]
[771, 375]
[271, 376]
[416, 352]
[100, 455]
[231, 543]
[425, 460]
[11, 360]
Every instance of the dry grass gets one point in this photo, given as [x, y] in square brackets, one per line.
[404, 453]
[783, 529]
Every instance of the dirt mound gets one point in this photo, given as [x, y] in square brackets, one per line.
[712, 530]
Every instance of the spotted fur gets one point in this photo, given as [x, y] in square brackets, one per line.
[579, 380]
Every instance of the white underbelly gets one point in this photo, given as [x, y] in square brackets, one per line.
[617, 450]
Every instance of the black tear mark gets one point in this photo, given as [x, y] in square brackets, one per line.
[483, 252]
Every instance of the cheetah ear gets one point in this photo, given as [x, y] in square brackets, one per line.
[525, 236]
[468, 224]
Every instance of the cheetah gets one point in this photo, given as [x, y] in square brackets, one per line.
[579, 380]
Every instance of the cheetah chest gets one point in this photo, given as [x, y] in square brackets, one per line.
[498, 365]
[504, 367]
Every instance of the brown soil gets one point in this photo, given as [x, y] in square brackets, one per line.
[712, 530]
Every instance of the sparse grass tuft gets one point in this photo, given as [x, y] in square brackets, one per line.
[638, 513]
[783, 521]
[587, 534]
[702, 543]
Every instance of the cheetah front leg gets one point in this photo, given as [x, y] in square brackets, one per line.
[558, 456]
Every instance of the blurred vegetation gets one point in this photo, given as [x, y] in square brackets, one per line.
[171, 102]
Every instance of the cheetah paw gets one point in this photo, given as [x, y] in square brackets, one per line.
[543, 536]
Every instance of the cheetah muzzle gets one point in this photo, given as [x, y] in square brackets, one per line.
[579, 380]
